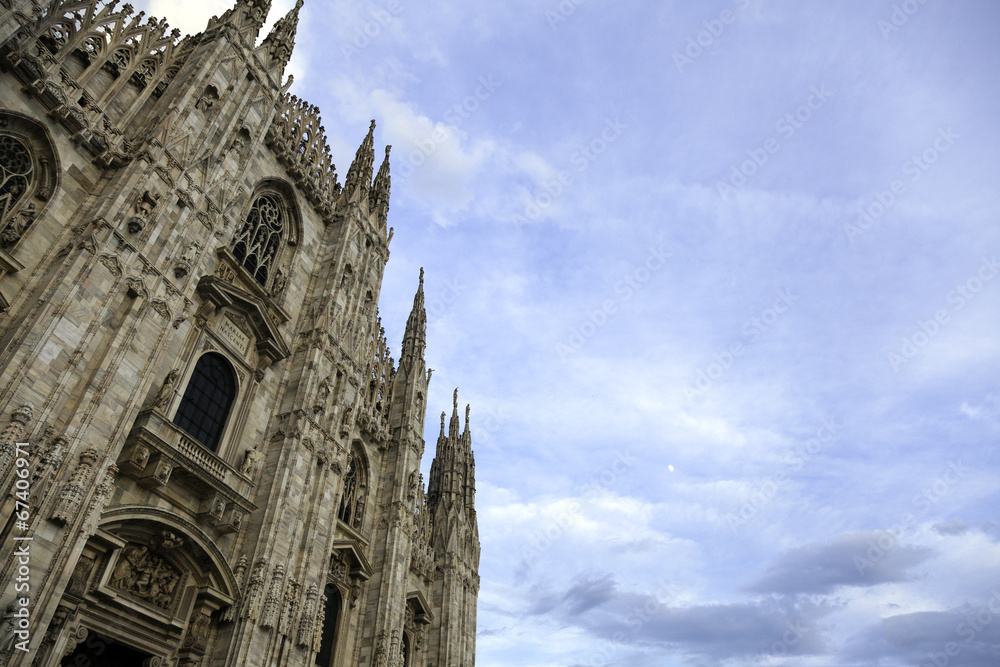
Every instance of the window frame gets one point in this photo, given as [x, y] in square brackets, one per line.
[233, 407]
[45, 174]
[286, 202]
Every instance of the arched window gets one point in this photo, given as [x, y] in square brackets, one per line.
[258, 241]
[28, 175]
[209, 396]
[15, 173]
[406, 650]
[331, 618]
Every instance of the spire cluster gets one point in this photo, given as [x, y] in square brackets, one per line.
[281, 40]
[452, 484]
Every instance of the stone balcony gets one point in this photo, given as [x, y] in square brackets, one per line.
[163, 458]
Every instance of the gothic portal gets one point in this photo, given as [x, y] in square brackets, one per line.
[222, 459]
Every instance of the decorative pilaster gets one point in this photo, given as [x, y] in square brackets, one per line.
[71, 498]
[19, 420]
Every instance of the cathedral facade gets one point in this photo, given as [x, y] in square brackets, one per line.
[208, 456]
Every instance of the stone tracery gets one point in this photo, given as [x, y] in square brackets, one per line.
[258, 240]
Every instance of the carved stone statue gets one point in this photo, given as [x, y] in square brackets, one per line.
[166, 391]
[278, 286]
[142, 211]
[207, 99]
[240, 142]
[183, 265]
[190, 252]
[17, 225]
[7, 627]
[250, 459]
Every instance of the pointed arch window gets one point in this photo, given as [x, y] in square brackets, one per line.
[207, 400]
[258, 241]
[16, 174]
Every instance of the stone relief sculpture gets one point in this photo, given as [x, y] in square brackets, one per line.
[145, 575]
[18, 224]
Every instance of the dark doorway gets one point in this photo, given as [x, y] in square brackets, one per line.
[328, 647]
[100, 651]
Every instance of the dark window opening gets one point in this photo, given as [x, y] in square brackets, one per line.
[207, 400]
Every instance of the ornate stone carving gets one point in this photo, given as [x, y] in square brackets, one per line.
[166, 391]
[8, 626]
[183, 265]
[198, 632]
[278, 286]
[70, 500]
[272, 604]
[323, 394]
[289, 608]
[19, 419]
[17, 225]
[251, 458]
[255, 591]
[113, 264]
[142, 211]
[78, 580]
[306, 624]
[160, 306]
[136, 288]
[208, 99]
[142, 574]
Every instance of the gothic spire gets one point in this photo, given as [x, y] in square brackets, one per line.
[248, 16]
[279, 43]
[415, 336]
[452, 483]
[453, 426]
[378, 200]
[359, 176]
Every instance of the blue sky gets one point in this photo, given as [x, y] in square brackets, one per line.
[720, 282]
